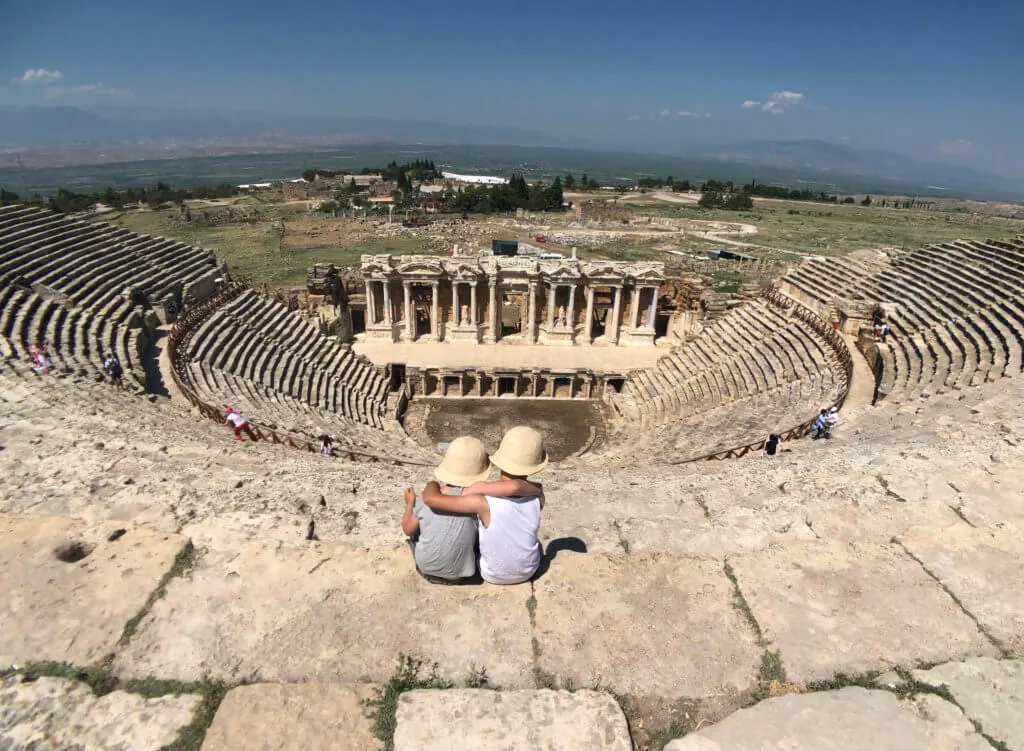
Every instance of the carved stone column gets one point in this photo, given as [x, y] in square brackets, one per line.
[616, 312]
[410, 324]
[588, 324]
[371, 318]
[492, 335]
[552, 291]
[570, 314]
[435, 323]
[652, 308]
[531, 322]
[472, 303]
[387, 302]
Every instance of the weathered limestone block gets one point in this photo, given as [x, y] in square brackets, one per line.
[59, 713]
[993, 495]
[510, 721]
[982, 568]
[327, 613]
[644, 625]
[834, 607]
[299, 716]
[75, 610]
[851, 719]
[991, 693]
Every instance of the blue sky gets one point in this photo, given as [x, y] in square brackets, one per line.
[940, 80]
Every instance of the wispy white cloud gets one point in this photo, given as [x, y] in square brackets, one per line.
[669, 114]
[782, 101]
[777, 103]
[959, 147]
[38, 76]
[91, 89]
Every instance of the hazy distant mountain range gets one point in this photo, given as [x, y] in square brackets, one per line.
[48, 137]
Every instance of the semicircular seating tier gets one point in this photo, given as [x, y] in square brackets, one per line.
[955, 310]
[758, 369]
[82, 288]
[276, 368]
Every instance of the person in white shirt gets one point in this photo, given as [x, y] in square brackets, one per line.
[240, 425]
[508, 511]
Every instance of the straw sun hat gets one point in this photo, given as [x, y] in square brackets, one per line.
[521, 452]
[464, 463]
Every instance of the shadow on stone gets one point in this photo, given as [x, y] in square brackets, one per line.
[571, 544]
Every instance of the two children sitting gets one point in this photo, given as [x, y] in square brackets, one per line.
[464, 515]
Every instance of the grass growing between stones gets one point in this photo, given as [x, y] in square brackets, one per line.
[410, 674]
[101, 682]
[183, 563]
[740, 603]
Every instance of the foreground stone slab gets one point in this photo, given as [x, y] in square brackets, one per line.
[59, 713]
[510, 721]
[327, 613]
[642, 625]
[75, 610]
[299, 716]
[991, 692]
[982, 568]
[832, 607]
[851, 719]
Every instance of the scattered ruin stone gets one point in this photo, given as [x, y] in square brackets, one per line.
[990, 692]
[59, 713]
[853, 719]
[299, 716]
[510, 721]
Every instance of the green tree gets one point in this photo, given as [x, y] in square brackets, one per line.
[866, 201]
[570, 181]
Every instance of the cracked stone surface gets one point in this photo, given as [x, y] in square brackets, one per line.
[982, 568]
[850, 719]
[55, 713]
[75, 611]
[327, 613]
[510, 721]
[294, 717]
[833, 607]
[991, 692]
[644, 624]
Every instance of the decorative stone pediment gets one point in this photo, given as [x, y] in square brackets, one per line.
[464, 272]
[648, 275]
[421, 268]
[375, 270]
[562, 274]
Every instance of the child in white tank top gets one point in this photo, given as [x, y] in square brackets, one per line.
[508, 511]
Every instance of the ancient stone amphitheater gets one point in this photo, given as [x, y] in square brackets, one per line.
[170, 587]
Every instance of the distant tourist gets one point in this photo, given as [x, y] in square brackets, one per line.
[41, 363]
[832, 419]
[507, 511]
[821, 426]
[883, 331]
[771, 446]
[114, 371]
[325, 445]
[240, 424]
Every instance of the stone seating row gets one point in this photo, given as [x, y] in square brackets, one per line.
[260, 340]
[753, 349]
[279, 410]
[91, 263]
[959, 317]
[76, 339]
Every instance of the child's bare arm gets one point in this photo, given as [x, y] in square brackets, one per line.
[467, 503]
[506, 488]
[410, 524]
